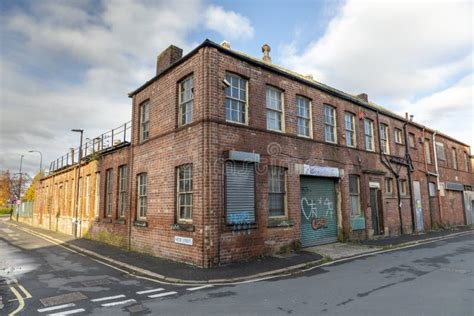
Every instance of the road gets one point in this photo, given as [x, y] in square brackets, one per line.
[432, 279]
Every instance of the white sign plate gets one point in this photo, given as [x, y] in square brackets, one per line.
[183, 240]
[321, 171]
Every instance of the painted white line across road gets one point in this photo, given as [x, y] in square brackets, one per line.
[162, 294]
[107, 298]
[150, 291]
[69, 312]
[118, 303]
[198, 288]
[53, 308]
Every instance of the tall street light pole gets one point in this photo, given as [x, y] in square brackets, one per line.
[19, 187]
[41, 158]
[76, 204]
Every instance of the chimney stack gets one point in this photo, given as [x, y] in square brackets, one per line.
[266, 53]
[225, 44]
[363, 96]
[168, 57]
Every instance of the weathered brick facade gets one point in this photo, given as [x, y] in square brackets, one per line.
[207, 140]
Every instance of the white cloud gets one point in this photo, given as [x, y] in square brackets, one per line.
[229, 24]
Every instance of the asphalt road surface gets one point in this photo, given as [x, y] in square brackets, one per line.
[41, 278]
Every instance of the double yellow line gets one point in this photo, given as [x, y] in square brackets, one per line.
[19, 297]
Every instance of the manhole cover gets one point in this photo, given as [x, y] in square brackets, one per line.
[96, 282]
[63, 299]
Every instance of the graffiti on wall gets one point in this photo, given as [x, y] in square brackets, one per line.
[309, 209]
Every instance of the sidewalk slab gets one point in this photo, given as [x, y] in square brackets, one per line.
[339, 250]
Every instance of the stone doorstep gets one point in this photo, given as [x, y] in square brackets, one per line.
[341, 250]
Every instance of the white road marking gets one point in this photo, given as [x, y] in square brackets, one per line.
[118, 303]
[53, 308]
[107, 298]
[162, 294]
[150, 291]
[199, 287]
[72, 311]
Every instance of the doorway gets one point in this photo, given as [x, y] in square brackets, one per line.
[377, 211]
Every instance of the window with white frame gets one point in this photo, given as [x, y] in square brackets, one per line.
[236, 99]
[369, 135]
[88, 192]
[454, 158]
[426, 144]
[274, 102]
[186, 96]
[303, 116]
[403, 187]
[398, 136]
[97, 194]
[330, 124]
[108, 192]
[276, 191]
[122, 190]
[349, 120]
[142, 198]
[440, 151]
[144, 121]
[185, 192]
[384, 139]
[389, 186]
[354, 193]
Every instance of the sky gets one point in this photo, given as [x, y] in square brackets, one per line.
[70, 64]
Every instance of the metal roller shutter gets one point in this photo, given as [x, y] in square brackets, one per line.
[240, 192]
[318, 211]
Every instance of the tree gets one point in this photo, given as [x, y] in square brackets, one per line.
[5, 192]
[30, 192]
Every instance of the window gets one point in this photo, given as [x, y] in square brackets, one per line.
[79, 201]
[354, 193]
[454, 158]
[369, 135]
[274, 109]
[303, 115]
[186, 95]
[240, 192]
[440, 151]
[389, 186]
[349, 119]
[66, 196]
[466, 161]
[88, 192]
[398, 136]
[432, 189]
[108, 192]
[330, 124]
[236, 99]
[276, 192]
[384, 139]
[144, 121]
[142, 190]
[97, 194]
[411, 140]
[427, 151]
[122, 190]
[403, 187]
[185, 193]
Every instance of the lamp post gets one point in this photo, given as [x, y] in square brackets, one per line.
[19, 187]
[41, 158]
[76, 204]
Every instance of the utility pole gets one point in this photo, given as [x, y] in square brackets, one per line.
[76, 204]
[19, 188]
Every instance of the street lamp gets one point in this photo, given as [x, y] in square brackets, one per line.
[19, 187]
[41, 158]
[76, 206]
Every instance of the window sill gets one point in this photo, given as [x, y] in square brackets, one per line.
[243, 226]
[140, 223]
[183, 227]
[280, 222]
[236, 123]
[107, 220]
[120, 221]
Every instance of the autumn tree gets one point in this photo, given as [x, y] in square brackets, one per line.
[5, 192]
[31, 191]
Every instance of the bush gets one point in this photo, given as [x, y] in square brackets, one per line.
[4, 211]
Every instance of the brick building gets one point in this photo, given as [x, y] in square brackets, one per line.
[232, 157]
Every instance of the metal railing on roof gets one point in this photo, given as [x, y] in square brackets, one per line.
[110, 139]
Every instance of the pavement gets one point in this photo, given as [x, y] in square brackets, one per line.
[39, 277]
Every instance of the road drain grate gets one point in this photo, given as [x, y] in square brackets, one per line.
[63, 299]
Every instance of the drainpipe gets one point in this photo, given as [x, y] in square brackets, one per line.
[131, 176]
[437, 179]
[427, 178]
[399, 198]
[409, 171]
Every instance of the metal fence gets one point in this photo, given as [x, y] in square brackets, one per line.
[25, 209]
[109, 139]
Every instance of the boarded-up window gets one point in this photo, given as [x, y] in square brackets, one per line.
[276, 192]
[440, 151]
[354, 192]
[240, 192]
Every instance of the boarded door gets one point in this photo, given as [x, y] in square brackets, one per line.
[318, 211]
[418, 206]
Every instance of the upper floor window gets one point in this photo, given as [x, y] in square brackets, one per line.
[389, 186]
[236, 99]
[403, 187]
[466, 161]
[186, 96]
[122, 190]
[398, 136]
[185, 193]
[440, 151]
[369, 135]
[276, 192]
[454, 158]
[411, 140]
[108, 192]
[426, 144]
[330, 124]
[144, 121]
[142, 195]
[303, 115]
[349, 119]
[274, 100]
[384, 139]
[354, 193]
